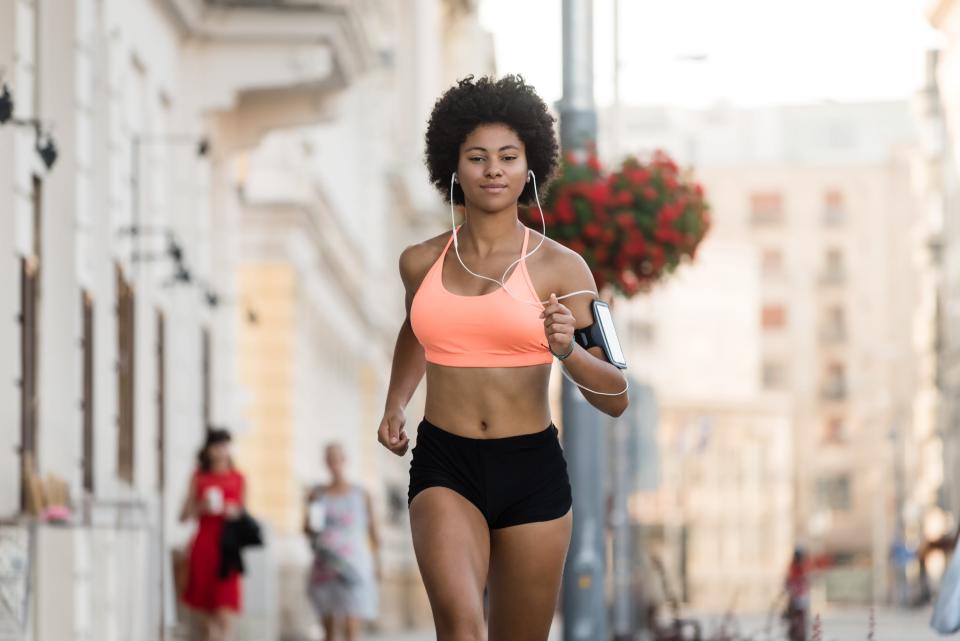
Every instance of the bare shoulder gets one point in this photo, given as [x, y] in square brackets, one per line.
[564, 269]
[416, 260]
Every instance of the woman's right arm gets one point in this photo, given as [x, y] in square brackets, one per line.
[409, 363]
[189, 509]
[311, 496]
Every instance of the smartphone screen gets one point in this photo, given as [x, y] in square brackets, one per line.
[605, 318]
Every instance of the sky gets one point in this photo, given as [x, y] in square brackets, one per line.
[696, 53]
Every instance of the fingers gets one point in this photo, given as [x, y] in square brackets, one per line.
[554, 307]
[392, 435]
[394, 427]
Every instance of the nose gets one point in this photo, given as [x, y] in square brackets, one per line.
[494, 171]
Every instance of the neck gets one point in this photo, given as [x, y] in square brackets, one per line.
[219, 467]
[486, 232]
[338, 482]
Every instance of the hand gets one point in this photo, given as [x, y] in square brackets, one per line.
[558, 325]
[391, 433]
[232, 510]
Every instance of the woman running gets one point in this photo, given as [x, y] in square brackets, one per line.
[489, 494]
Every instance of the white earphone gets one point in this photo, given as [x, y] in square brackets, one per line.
[502, 282]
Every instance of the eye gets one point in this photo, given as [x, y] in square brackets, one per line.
[475, 158]
[509, 157]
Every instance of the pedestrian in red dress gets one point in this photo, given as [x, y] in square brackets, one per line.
[215, 495]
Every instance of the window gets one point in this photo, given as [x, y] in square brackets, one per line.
[833, 266]
[29, 403]
[771, 262]
[834, 326]
[835, 386]
[126, 368]
[773, 317]
[833, 493]
[834, 430]
[774, 375]
[29, 352]
[87, 402]
[834, 209]
[766, 208]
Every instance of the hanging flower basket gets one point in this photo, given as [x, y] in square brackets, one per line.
[633, 226]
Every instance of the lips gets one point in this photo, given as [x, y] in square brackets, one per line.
[493, 188]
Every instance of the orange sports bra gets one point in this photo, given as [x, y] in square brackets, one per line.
[490, 330]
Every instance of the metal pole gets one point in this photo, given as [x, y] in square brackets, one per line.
[617, 113]
[584, 605]
[578, 118]
[622, 557]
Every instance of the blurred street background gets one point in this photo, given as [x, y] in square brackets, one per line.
[202, 204]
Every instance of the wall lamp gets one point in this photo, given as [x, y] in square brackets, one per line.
[44, 145]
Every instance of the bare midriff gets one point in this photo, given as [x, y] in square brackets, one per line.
[495, 402]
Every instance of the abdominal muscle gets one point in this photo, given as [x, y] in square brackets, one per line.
[488, 402]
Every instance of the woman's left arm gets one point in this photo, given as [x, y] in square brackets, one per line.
[588, 367]
[374, 535]
[233, 510]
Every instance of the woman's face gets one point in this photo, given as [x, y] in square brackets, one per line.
[335, 461]
[492, 168]
[219, 455]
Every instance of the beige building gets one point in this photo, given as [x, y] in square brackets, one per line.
[942, 120]
[155, 286]
[326, 210]
[814, 292]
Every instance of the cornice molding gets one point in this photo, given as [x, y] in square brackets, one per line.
[335, 22]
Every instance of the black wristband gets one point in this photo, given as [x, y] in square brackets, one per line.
[564, 357]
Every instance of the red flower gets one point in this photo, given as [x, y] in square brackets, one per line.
[592, 231]
[598, 194]
[649, 193]
[638, 176]
[564, 210]
[626, 220]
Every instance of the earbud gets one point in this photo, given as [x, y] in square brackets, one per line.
[529, 175]
[455, 179]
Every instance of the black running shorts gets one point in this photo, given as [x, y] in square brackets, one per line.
[512, 480]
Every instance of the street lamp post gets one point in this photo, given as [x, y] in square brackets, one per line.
[584, 605]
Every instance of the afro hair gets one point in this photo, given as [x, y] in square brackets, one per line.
[474, 102]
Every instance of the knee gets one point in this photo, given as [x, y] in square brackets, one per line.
[461, 628]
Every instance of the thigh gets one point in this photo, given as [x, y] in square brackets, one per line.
[526, 567]
[452, 545]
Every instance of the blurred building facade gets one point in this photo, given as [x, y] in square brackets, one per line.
[148, 292]
[941, 117]
[326, 210]
[820, 303]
